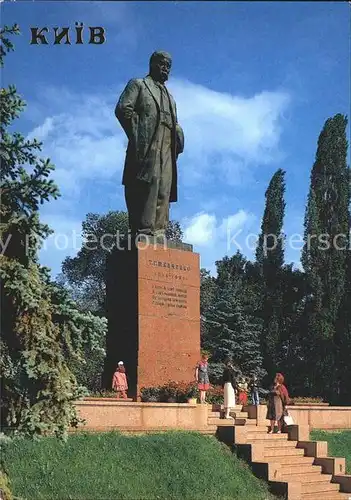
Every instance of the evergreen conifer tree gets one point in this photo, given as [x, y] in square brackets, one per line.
[232, 333]
[41, 328]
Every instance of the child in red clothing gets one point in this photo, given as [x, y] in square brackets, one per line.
[242, 389]
[119, 381]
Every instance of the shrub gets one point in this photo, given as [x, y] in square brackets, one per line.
[215, 394]
[177, 391]
[150, 394]
[186, 390]
[169, 391]
[102, 394]
[88, 371]
[305, 400]
[192, 391]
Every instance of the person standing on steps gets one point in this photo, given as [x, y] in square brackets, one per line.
[243, 388]
[278, 398]
[229, 385]
[253, 388]
[202, 378]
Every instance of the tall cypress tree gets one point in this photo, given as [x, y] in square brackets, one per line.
[343, 342]
[324, 255]
[270, 260]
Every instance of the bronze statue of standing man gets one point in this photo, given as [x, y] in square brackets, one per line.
[147, 112]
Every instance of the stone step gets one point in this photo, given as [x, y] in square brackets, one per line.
[262, 434]
[276, 444]
[213, 414]
[238, 414]
[251, 422]
[221, 422]
[321, 487]
[300, 467]
[331, 495]
[253, 427]
[306, 477]
[344, 481]
[221, 408]
[240, 421]
[290, 459]
[280, 451]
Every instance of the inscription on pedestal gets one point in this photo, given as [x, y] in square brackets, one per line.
[170, 296]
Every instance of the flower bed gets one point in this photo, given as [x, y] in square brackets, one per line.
[179, 392]
[175, 392]
[307, 401]
[102, 394]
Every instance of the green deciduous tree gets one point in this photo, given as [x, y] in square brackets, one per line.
[84, 274]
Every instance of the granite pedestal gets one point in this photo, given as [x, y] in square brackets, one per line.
[153, 308]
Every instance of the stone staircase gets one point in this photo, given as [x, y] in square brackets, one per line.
[294, 467]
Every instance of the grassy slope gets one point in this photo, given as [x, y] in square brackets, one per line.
[339, 444]
[176, 465]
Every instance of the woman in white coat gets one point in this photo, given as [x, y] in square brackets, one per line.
[229, 385]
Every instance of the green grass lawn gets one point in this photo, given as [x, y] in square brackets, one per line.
[339, 444]
[110, 466]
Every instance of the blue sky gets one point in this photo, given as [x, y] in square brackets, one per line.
[254, 83]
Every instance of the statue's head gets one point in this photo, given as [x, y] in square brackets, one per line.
[160, 66]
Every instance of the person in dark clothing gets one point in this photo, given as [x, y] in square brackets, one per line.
[278, 398]
[253, 388]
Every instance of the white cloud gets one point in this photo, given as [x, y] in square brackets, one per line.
[204, 229]
[213, 236]
[235, 222]
[40, 133]
[83, 140]
[225, 135]
[200, 229]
